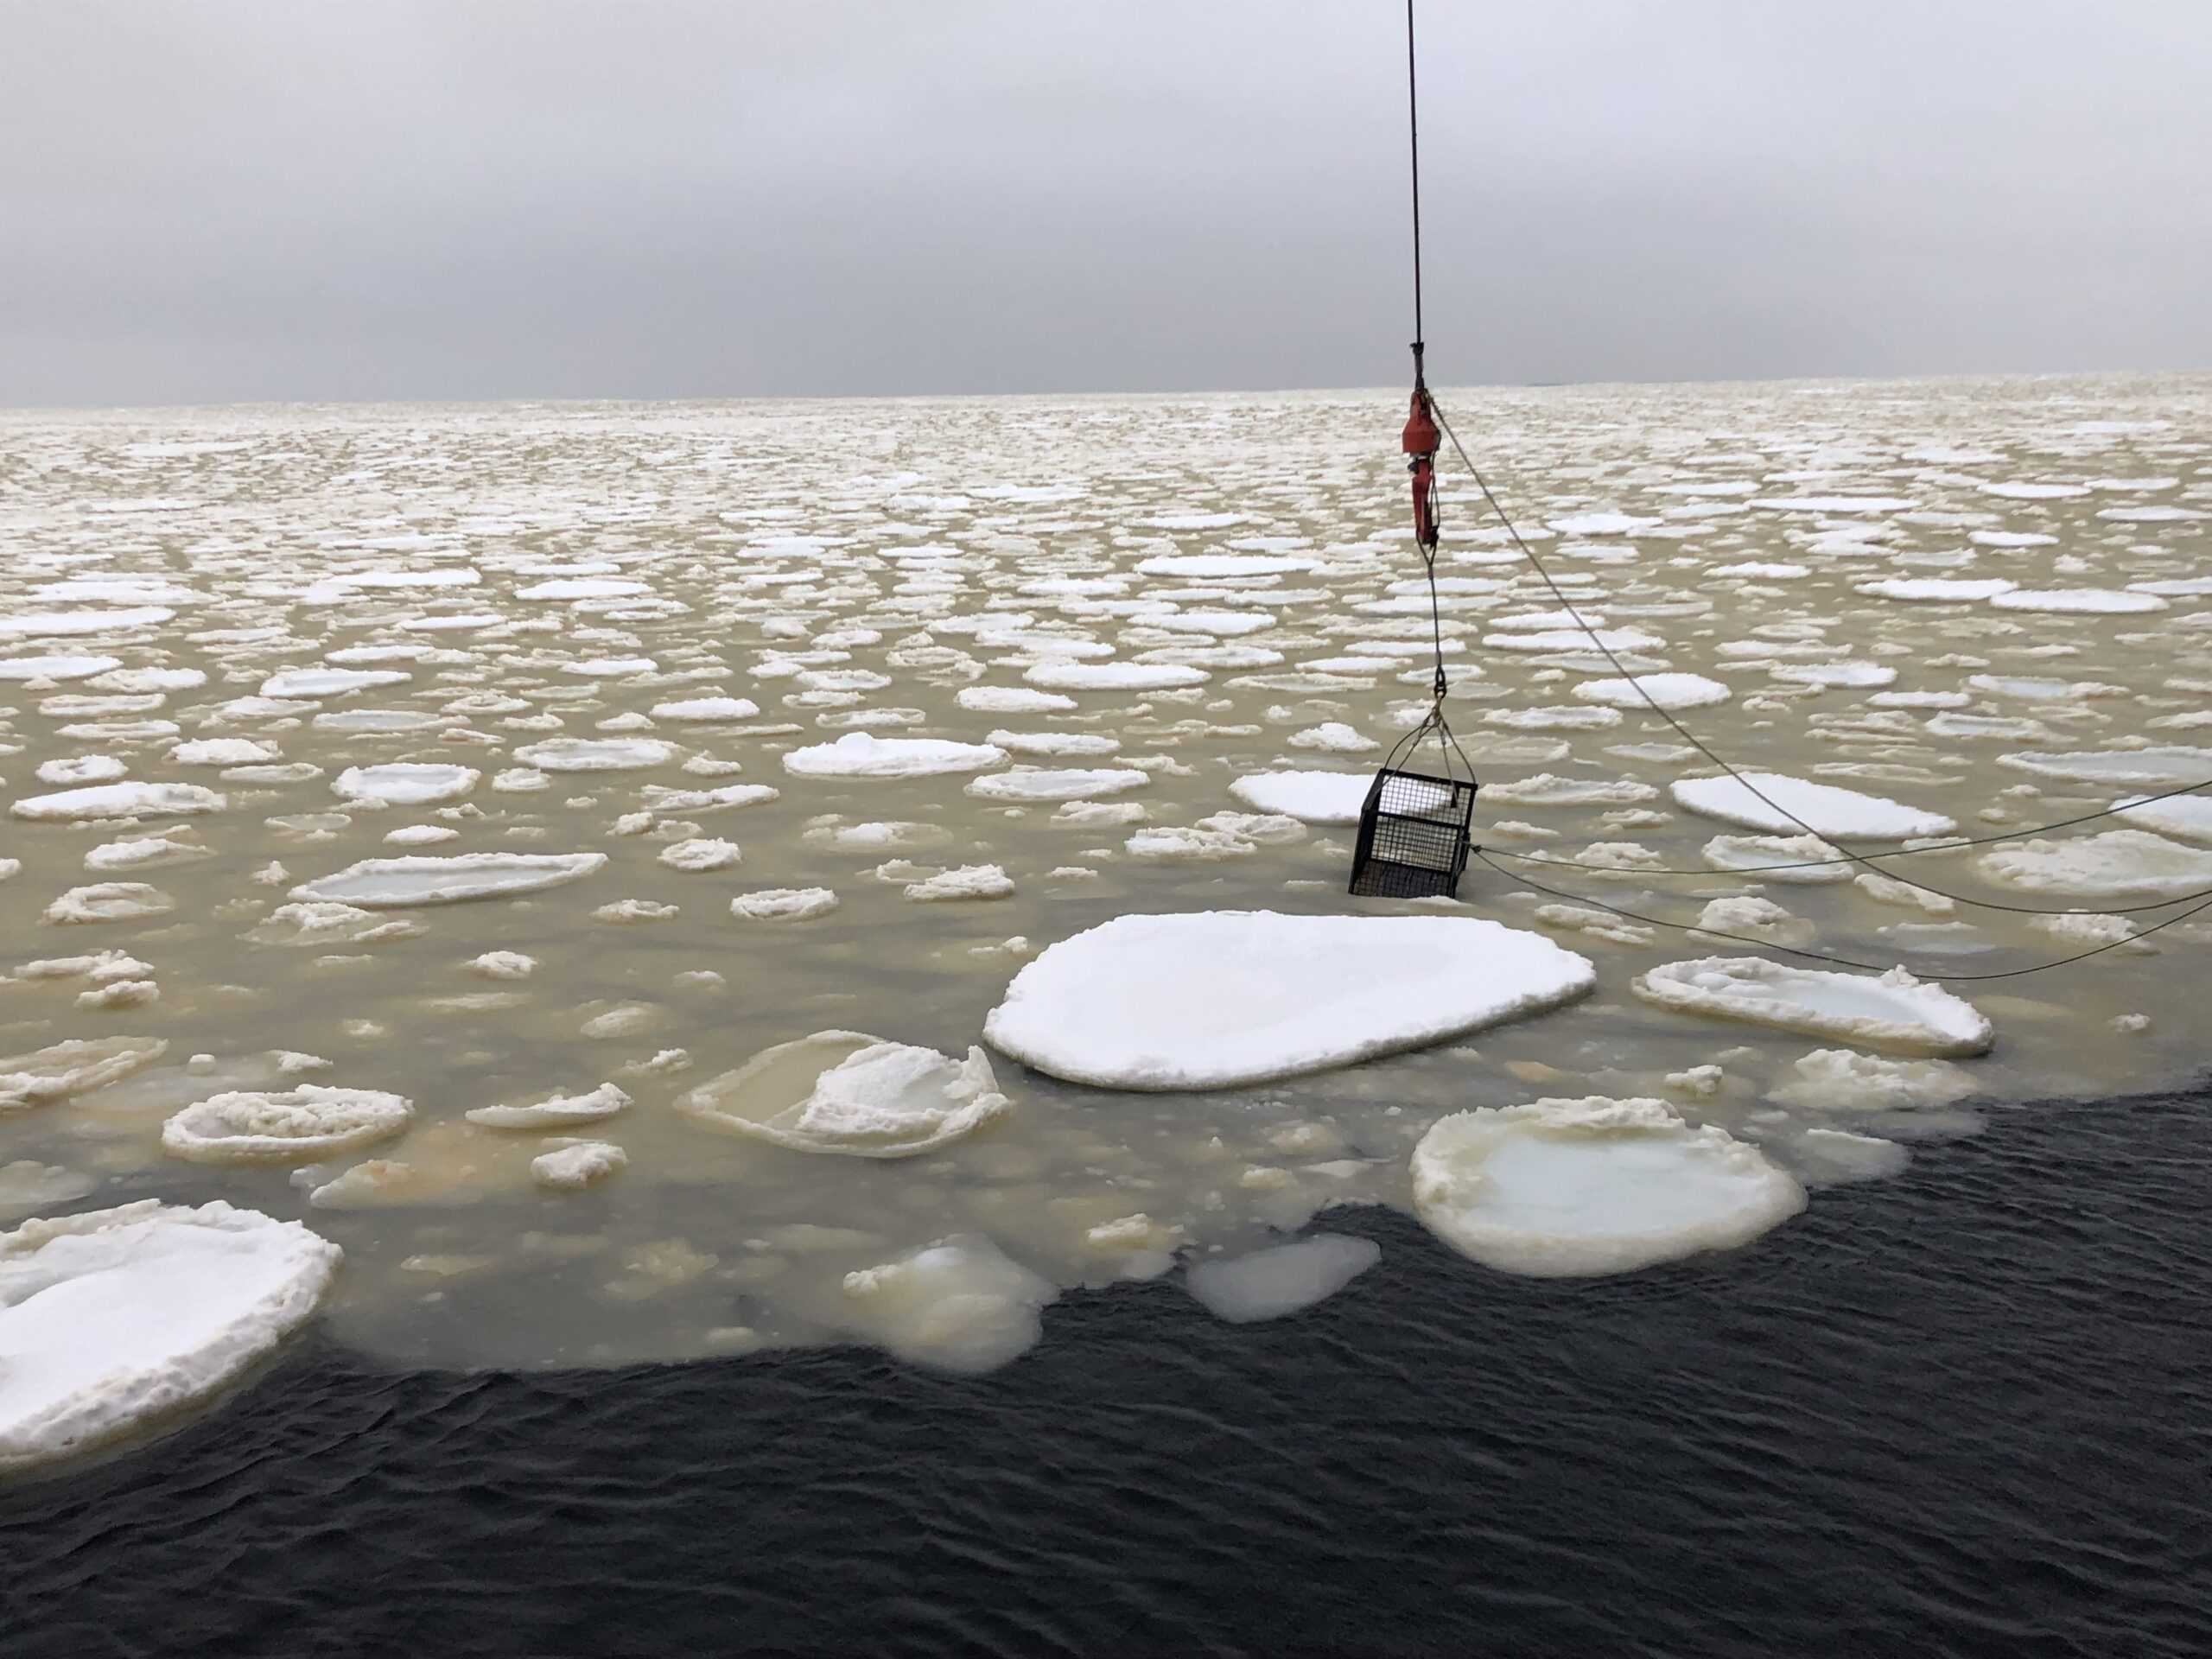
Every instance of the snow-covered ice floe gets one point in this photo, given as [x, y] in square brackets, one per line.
[849, 1093]
[116, 1319]
[1821, 808]
[103, 801]
[862, 754]
[1214, 999]
[1668, 690]
[1558, 1188]
[1309, 797]
[394, 883]
[1892, 1011]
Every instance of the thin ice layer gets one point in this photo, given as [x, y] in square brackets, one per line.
[1821, 808]
[851, 1094]
[1560, 1188]
[1890, 1011]
[1219, 998]
[394, 883]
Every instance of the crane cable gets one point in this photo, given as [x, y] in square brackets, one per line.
[1849, 854]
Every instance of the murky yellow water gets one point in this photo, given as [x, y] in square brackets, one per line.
[855, 566]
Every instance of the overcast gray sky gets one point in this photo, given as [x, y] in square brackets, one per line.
[208, 201]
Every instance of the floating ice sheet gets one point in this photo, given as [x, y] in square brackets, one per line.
[1216, 998]
[1558, 1188]
[115, 1320]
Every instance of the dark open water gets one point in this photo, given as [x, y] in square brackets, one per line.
[1964, 1412]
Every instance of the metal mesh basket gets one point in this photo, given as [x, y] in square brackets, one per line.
[1412, 834]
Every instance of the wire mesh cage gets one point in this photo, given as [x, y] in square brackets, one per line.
[1412, 834]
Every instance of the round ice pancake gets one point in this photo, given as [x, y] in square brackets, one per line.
[297, 1125]
[401, 782]
[960, 1305]
[849, 1093]
[862, 754]
[1218, 998]
[391, 883]
[117, 1317]
[1558, 1188]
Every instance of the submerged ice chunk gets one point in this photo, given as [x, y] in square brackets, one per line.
[1892, 1010]
[846, 1092]
[113, 1319]
[960, 1305]
[1218, 998]
[73, 1067]
[1839, 1080]
[1557, 1188]
[1283, 1279]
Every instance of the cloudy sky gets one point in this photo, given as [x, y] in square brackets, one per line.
[206, 200]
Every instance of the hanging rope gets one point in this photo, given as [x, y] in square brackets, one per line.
[1848, 855]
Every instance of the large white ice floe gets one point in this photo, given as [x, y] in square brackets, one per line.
[2186, 817]
[394, 883]
[1559, 1188]
[1890, 1011]
[1641, 691]
[959, 1305]
[294, 1126]
[1309, 797]
[1822, 808]
[849, 1093]
[103, 801]
[1214, 999]
[2115, 864]
[329, 682]
[1282, 1279]
[401, 782]
[114, 1319]
[1937, 590]
[862, 754]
